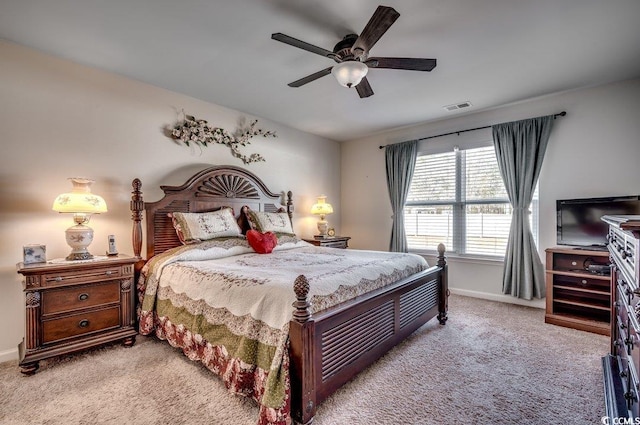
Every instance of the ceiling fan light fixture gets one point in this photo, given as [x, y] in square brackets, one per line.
[350, 73]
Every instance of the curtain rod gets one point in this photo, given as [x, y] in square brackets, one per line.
[560, 114]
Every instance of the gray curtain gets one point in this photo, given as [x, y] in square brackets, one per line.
[520, 148]
[400, 161]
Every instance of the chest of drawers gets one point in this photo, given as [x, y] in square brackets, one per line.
[622, 366]
[71, 306]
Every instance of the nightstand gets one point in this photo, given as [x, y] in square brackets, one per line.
[331, 241]
[74, 305]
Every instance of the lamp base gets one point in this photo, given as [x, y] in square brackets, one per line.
[323, 226]
[74, 256]
[79, 237]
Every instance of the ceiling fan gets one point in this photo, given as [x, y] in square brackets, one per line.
[352, 54]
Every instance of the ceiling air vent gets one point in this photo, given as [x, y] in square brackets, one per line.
[457, 106]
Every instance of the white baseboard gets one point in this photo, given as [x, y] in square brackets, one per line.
[8, 355]
[499, 297]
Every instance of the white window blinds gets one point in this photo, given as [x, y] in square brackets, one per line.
[458, 198]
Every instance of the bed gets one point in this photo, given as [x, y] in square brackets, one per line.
[326, 338]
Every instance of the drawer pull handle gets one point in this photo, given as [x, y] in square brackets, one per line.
[83, 323]
[58, 279]
[83, 297]
[108, 272]
[584, 282]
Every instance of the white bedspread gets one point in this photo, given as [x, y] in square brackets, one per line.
[235, 278]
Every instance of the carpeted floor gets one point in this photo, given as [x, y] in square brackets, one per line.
[492, 363]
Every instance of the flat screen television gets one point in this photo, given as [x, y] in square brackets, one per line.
[578, 220]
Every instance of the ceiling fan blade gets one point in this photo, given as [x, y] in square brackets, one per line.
[310, 78]
[315, 14]
[412, 64]
[364, 89]
[379, 23]
[301, 44]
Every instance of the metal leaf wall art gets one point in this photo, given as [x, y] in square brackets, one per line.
[199, 132]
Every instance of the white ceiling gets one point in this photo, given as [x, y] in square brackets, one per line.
[489, 52]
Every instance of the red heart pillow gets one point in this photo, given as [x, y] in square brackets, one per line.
[262, 243]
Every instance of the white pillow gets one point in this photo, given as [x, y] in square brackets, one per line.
[197, 227]
[271, 222]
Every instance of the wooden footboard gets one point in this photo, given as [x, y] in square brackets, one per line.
[333, 346]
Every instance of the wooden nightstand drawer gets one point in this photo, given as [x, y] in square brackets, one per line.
[81, 276]
[330, 242]
[80, 324]
[79, 297]
[335, 244]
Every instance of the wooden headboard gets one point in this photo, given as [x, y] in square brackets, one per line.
[212, 188]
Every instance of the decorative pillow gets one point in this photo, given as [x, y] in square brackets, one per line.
[196, 227]
[178, 228]
[262, 243]
[270, 222]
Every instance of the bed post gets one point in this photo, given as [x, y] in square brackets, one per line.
[443, 303]
[290, 205]
[302, 352]
[137, 206]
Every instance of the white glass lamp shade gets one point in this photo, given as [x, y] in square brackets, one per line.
[81, 203]
[80, 199]
[322, 208]
[349, 73]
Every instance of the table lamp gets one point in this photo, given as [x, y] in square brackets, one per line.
[81, 203]
[321, 208]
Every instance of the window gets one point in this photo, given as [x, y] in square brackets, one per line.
[458, 198]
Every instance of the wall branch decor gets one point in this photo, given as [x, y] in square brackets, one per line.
[200, 132]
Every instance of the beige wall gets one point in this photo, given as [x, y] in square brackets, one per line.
[59, 119]
[593, 151]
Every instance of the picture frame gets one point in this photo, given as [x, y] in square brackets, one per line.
[34, 253]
